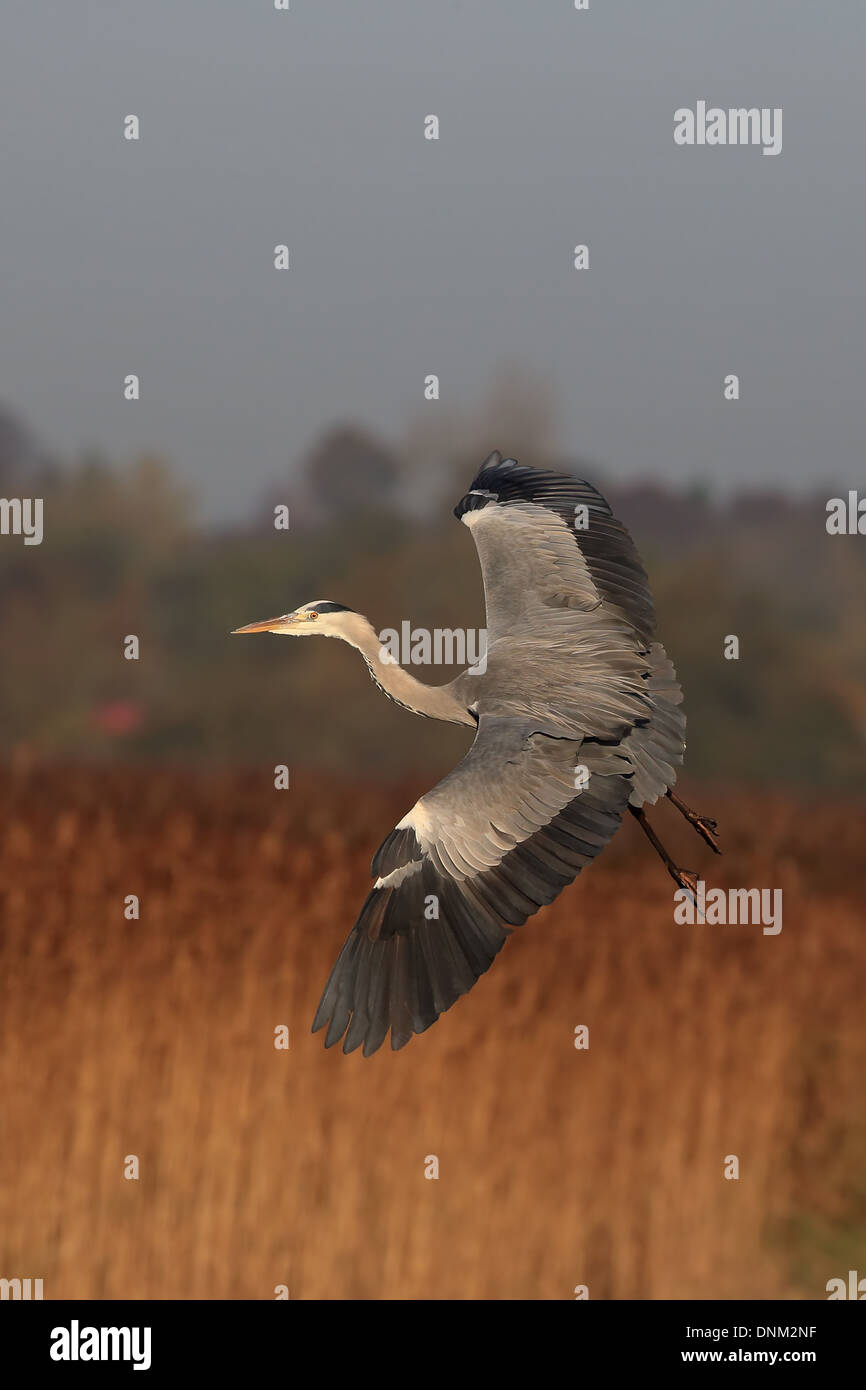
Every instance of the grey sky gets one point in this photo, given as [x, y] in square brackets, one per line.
[410, 256]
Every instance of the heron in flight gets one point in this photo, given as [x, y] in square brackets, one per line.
[577, 720]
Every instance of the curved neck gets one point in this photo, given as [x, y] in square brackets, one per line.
[434, 701]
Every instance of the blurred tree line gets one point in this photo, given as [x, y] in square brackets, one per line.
[371, 527]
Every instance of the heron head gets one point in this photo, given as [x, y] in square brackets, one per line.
[322, 618]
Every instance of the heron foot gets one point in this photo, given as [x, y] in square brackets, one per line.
[685, 878]
[707, 828]
[704, 825]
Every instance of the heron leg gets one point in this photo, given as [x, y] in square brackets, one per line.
[705, 827]
[685, 878]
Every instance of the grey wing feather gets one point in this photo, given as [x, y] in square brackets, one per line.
[549, 540]
[570, 619]
[496, 839]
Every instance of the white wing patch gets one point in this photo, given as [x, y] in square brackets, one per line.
[398, 876]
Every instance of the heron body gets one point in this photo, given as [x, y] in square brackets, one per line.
[578, 718]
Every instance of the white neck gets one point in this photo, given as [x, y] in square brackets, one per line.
[434, 701]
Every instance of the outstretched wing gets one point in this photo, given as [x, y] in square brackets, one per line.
[548, 542]
[570, 618]
[498, 837]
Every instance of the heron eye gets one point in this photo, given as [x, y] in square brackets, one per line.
[312, 616]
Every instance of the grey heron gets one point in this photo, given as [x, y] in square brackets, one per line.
[574, 683]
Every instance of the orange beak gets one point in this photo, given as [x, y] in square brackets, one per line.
[269, 625]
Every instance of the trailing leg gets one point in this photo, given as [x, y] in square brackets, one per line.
[685, 878]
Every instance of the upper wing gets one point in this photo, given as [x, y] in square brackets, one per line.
[546, 542]
[498, 837]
